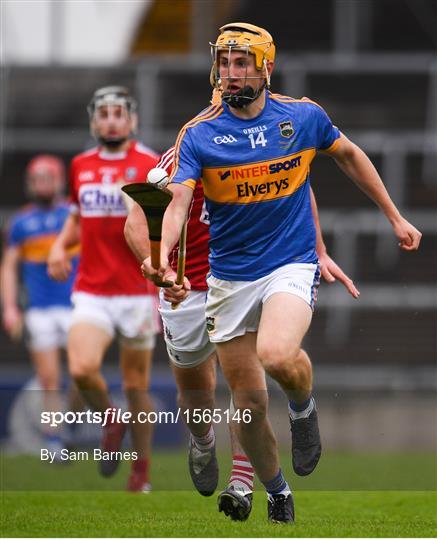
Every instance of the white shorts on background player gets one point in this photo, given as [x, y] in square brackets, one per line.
[185, 331]
[234, 307]
[133, 318]
[47, 328]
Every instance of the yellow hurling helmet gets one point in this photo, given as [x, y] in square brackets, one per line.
[243, 36]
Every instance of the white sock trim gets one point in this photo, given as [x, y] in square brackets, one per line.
[295, 415]
[205, 442]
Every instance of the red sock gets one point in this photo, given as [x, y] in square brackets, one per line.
[141, 466]
[242, 474]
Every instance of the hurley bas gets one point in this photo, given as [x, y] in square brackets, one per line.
[96, 454]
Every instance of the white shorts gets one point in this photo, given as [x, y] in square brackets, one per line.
[185, 332]
[132, 318]
[234, 307]
[47, 328]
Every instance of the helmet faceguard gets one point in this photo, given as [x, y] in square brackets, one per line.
[251, 40]
[112, 96]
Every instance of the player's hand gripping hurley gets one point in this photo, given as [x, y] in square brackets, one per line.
[154, 201]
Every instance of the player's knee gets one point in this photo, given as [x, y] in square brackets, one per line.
[277, 359]
[49, 382]
[135, 379]
[135, 382]
[302, 361]
[195, 399]
[256, 402]
[80, 372]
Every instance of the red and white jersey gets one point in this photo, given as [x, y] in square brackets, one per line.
[107, 266]
[197, 265]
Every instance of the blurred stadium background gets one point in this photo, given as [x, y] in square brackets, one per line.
[373, 67]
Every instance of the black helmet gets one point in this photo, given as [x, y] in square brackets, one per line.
[112, 95]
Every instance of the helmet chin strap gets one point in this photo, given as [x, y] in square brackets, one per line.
[243, 97]
[112, 144]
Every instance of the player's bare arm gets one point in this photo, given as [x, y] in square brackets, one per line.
[12, 316]
[355, 163]
[59, 264]
[136, 233]
[329, 268]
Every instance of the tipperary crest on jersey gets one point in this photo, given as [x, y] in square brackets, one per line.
[286, 129]
[210, 325]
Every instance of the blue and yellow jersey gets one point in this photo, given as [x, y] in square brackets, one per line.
[33, 231]
[256, 182]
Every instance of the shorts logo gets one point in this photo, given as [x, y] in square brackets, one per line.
[225, 139]
[298, 287]
[168, 334]
[210, 324]
[286, 129]
[175, 356]
[224, 175]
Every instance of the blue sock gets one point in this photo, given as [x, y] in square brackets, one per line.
[277, 484]
[52, 438]
[299, 407]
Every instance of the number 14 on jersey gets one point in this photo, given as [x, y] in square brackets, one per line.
[260, 139]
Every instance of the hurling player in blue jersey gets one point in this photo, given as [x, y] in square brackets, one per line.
[31, 233]
[253, 151]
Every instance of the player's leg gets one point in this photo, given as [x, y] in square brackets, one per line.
[90, 335]
[45, 355]
[136, 365]
[246, 377]
[196, 389]
[48, 372]
[287, 317]
[75, 401]
[195, 376]
[236, 499]
[86, 346]
[193, 361]
[47, 368]
[136, 320]
[63, 325]
[233, 312]
[242, 473]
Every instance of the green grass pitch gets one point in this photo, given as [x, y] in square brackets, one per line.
[41, 500]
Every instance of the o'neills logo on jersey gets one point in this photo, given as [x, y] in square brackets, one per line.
[86, 176]
[98, 200]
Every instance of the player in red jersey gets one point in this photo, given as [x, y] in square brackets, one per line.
[110, 295]
[193, 356]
